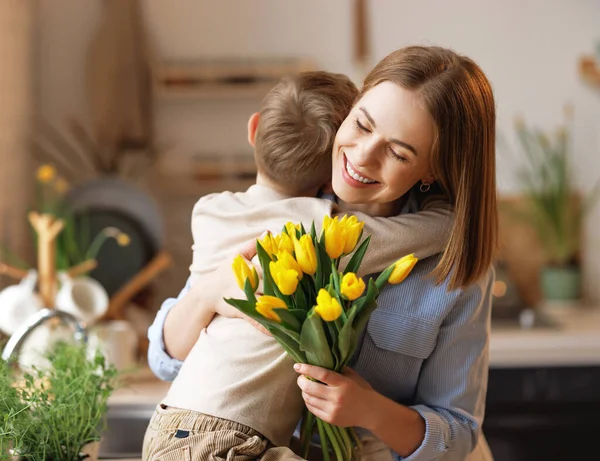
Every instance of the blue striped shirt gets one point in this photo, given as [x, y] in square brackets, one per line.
[424, 347]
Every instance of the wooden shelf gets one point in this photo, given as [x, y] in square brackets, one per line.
[223, 78]
[213, 91]
[589, 69]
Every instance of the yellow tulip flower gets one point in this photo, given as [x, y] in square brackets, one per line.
[341, 236]
[306, 254]
[334, 237]
[402, 268]
[352, 229]
[285, 278]
[287, 260]
[265, 305]
[284, 243]
[269, 244]
[352, 286]
[45, 174]
[242, 272]
[291, 228]
[327, 307]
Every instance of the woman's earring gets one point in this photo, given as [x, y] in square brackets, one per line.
[425, 186]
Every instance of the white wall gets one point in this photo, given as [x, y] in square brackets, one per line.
[529, 50]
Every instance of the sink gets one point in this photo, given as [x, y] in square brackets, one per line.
[125, 429]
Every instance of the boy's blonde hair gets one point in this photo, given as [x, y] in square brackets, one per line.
[298, 122]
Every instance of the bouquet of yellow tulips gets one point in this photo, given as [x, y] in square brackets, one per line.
[312, 308]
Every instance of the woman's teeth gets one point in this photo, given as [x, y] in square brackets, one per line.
[356, 176]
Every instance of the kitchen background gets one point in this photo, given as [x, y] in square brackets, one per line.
[166, 88]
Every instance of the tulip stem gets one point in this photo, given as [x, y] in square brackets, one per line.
[324, 444]
[346, 440]
[334, 440]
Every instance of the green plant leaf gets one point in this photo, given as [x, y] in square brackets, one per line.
[345, 337]
[314, 342]
[250, 310]
[265, 259]
[323, 267]
[290, 345]
[288, 319]
[300, 295]
[384, 276]
[249, 292]
[357, 257]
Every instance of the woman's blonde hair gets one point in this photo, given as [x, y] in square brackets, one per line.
[459, 97]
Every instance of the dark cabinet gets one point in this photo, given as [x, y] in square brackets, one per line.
[544, 414]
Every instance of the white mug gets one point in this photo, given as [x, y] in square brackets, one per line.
[117, 341]
[83, 297]
[18, 302]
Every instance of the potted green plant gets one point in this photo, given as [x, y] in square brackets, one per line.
[53, 414]
[553, 208]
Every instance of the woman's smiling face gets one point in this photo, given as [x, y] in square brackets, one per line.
[383, 148]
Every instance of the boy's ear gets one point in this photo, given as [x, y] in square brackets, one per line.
[252, 126]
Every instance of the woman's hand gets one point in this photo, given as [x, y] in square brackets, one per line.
[343, 399]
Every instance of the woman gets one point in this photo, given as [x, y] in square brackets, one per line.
[425, 119]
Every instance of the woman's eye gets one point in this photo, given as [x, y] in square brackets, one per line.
[396, 156]
[361, 127]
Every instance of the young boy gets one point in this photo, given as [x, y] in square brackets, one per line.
[236, 393]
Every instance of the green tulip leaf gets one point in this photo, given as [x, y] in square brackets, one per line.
[249, 291]
[345, 337]
[357, 257]
[323, 267]
[384, 276]
[313, 342]
[291, 346]
[288, 319]
[265, 259]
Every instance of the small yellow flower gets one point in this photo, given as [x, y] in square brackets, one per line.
[334, 238]
[265, 305]
[123, 239]
[45, 174]
[242, 272]
[61, 185]
[284, 243]
[352, 228]
[289, 262]
[402, 268]
[269, 244]
[285, 278]
[327, 307]
[352, 286]
[341, 236]
[291, 228]
[306, 254]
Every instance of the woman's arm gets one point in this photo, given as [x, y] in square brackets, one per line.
[445, 421]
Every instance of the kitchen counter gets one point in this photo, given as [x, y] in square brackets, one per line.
[572, 340]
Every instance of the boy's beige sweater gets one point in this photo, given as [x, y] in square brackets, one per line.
[236, 372]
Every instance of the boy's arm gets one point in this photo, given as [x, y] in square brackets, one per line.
[424, 233]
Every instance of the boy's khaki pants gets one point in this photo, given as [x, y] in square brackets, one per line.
[181, 435]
